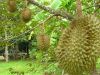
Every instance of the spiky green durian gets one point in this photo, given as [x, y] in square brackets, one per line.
[26, 15]
[12, 5]
[43, 41]
[79, 45]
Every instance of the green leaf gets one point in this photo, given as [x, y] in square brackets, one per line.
[40, 16]
[56, 4]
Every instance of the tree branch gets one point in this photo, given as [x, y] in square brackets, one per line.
[15, 37]
[52, 11]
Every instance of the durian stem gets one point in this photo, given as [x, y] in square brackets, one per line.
[79, 7]
[26, 3]
[42, 26]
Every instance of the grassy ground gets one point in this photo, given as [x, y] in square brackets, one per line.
[29, 67]
[18, 65]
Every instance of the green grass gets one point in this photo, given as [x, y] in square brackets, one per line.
[19, 65]
[26, 66]
[98, 64]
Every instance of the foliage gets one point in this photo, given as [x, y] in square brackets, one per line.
[14, 26]
[10, 23]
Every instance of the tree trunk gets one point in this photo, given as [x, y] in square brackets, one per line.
[6, 53]
[6, 45]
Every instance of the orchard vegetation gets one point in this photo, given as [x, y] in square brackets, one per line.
[51, 31]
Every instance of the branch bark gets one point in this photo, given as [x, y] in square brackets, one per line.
[52, 11]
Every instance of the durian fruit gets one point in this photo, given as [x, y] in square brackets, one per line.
[79, 46]
[12, 5]
[26, 14]
[43, 41]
